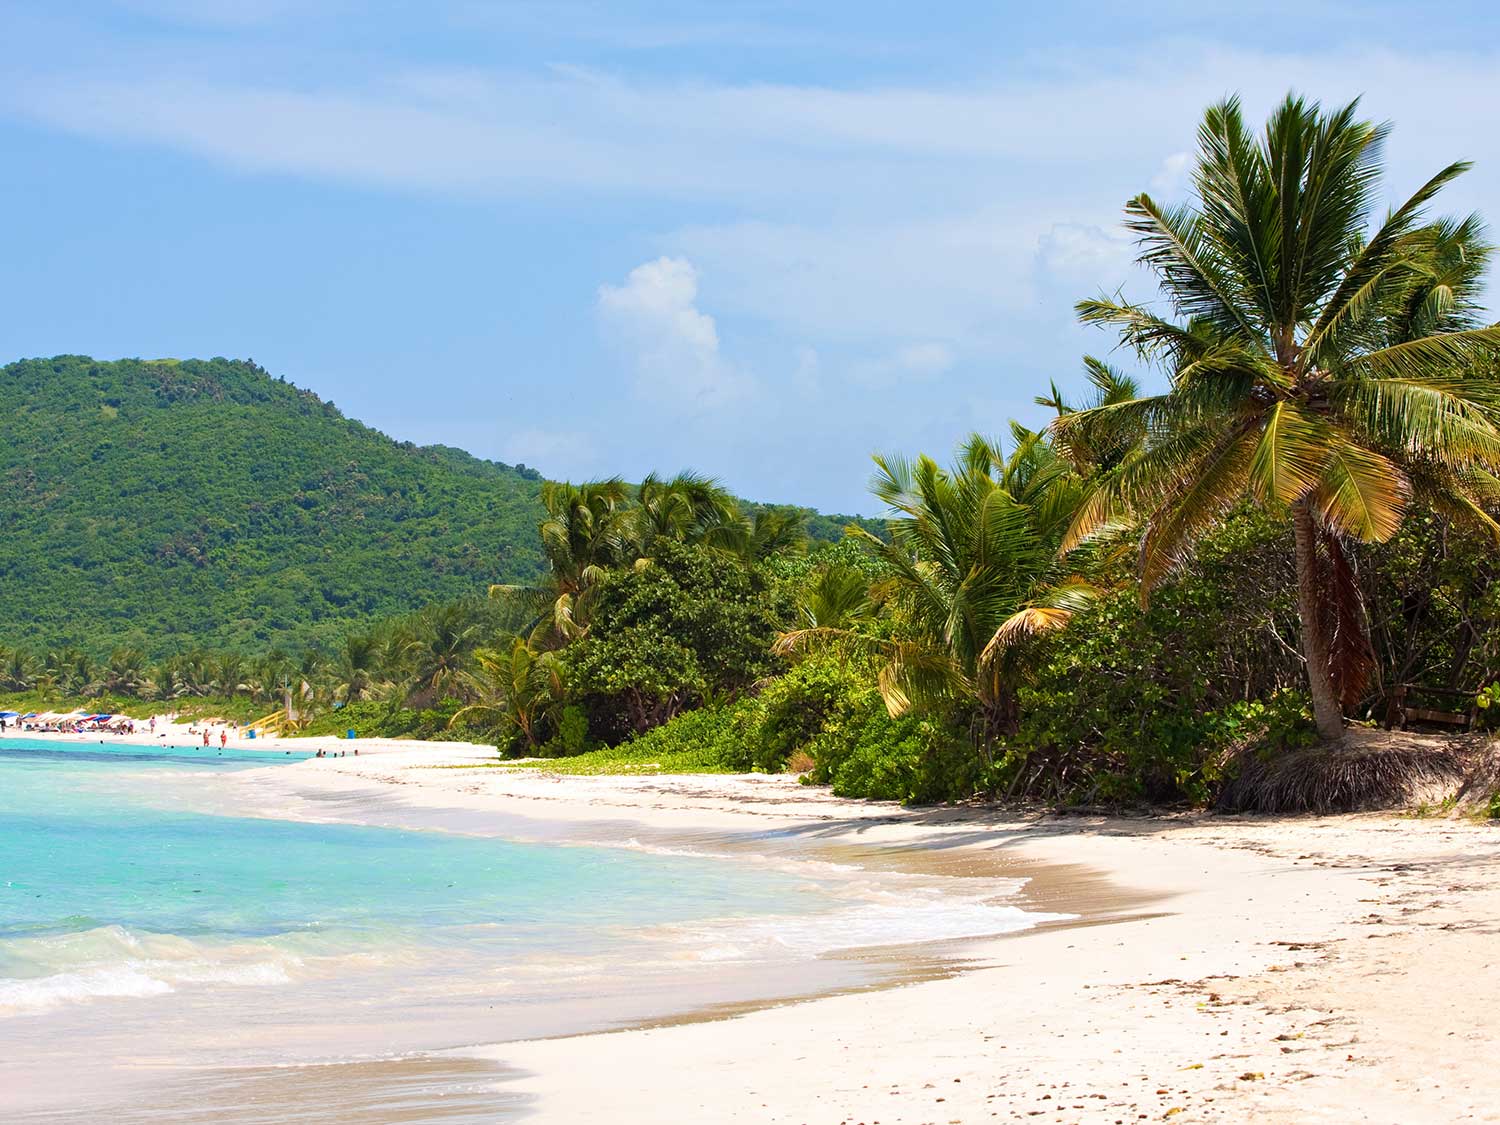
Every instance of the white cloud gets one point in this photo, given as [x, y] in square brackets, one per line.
[1172, 177]
[1085, 256]
[673, 345]
[917, 362]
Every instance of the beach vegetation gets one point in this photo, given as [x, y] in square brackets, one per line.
[1279, 536]
[1326, 367]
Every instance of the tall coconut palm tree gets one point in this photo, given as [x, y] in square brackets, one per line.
[357, 666]
[1322, 365]
[688, 508]
[975, 572]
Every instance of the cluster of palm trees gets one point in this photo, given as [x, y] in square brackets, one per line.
[591, 530]
[415, 660]
[1322, 366]
[599, 526]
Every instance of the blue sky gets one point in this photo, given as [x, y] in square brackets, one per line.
[760, 240]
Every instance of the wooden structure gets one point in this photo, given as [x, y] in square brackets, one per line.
[1399, 713]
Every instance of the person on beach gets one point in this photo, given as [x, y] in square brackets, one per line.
[223, 739]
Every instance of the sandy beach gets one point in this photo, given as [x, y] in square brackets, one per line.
[1220, 968]
[1310, 969]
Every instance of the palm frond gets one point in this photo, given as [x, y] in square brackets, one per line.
[1361, 494]
[1289, 456]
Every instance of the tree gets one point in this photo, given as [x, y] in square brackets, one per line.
[357, 666]
[517, 687]
[688, 508]
[446, 636]
[589, 529]
[1322, 369]
[974, 573]
[695, 623]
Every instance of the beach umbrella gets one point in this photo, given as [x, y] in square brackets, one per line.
[9, 714]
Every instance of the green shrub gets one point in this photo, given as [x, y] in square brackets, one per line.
[796, 708]
[913, 759]
[709, 740]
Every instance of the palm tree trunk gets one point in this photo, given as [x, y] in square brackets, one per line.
[1327, 713]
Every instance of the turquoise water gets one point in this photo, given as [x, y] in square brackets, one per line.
[144, 933]
[103, 893]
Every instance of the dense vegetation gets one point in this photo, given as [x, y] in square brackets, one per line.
[169, 506]
[1299, 532]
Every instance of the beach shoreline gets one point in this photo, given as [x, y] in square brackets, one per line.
[1289, 969]
[1293, 969]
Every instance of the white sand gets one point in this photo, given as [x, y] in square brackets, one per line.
[1299, 970]
[1295, 970]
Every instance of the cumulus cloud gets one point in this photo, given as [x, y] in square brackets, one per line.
[1084, 255]
[672, 344]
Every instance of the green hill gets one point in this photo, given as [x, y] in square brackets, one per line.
[168, 504]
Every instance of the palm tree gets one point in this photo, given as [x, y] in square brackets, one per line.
[17, 671]
[229, 674]
[516, 686]
[447, 636]
[975, 572]
[838, 597]
[126, 672]
[588, 529]
[1319, 368]
[356, 668]
[687, 508]
[775, 531]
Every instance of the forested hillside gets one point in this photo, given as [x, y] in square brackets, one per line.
[168, 505]
[165, 505]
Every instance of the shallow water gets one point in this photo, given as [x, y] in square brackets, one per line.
[145, 936]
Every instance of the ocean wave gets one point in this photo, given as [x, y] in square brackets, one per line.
[861, 926]
[114, 962]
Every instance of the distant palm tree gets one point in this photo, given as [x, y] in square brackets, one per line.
[974, 573]
[1321, 368]
[439, 653]
[589, 529]
[17, 670]
[126, 672]
[775, 531]
[688, 508]
[229, 673]
[516, 686]
[356, 668]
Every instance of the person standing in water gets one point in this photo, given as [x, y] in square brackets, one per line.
[223, 739]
